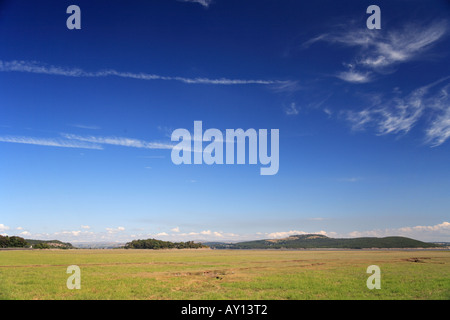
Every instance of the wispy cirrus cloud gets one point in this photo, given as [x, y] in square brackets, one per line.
[86, 142]
[119, 141]
[380, 51]
[288, 86]
[83, 126]
[394, 116]
[50, 142]
[402, 45]
[205, 3]
[39, 68]
[439, 130]
[292, 110]
[398, 115]
[354, 76]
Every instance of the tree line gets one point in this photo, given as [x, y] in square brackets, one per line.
[18, 242]
[12, 242]
[159, 244]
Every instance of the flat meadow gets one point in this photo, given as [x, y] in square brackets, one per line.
[224, 274]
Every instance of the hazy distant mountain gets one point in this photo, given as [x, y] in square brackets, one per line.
[310, 241]
[47, 244]
[99, 245]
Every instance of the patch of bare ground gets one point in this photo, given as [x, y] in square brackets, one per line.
[422, 260]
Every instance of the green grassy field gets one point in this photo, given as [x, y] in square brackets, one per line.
[224, 274]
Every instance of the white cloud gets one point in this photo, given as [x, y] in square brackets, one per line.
[115, 230]
[354, 76]
[439, 130]
[438, 232]
[400, 114]
[292, 110]
[3, 227]
[284, 234]
[444, 226]
[204, 3]
[119, 141]
[321, 37]
[77, 236]
[19, 228]
[35, 67]
[286, 86]
[403, 45]
[161, 234]
[379, 51]
[82, 126]
[85, 227]
[70, 233]
[49, 142]
[207, 235]
[176, 229]
[86, 142]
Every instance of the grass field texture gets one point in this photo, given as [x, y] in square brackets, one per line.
[224, 274]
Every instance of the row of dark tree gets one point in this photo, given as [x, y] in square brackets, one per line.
[18, 242]
[12, 242]
[41, 245]
[159, 244]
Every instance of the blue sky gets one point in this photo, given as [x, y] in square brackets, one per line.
[86, 118]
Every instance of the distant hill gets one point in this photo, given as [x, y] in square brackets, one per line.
[311, 241]
[49, 244]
